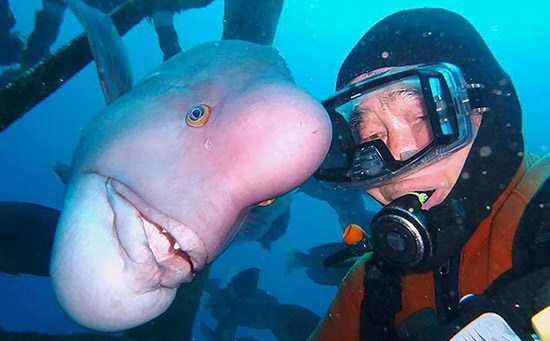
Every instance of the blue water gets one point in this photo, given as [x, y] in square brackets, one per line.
[314, 37]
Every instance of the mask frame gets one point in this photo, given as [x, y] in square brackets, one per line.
[449, 102]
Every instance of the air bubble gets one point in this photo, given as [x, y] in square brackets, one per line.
[485, 151]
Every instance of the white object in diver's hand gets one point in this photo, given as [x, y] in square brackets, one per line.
[541, 324]
[488, 326]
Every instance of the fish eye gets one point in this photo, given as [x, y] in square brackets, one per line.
[198, 115]
[266, 202]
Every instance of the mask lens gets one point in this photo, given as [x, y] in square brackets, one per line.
[368, 163]
[395, 113]
[446, 122]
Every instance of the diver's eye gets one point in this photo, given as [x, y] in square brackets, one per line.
[266, 202]
[198, 115]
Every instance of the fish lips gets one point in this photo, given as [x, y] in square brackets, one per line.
[145, 233]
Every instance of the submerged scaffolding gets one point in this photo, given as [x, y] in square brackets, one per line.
[38, 82]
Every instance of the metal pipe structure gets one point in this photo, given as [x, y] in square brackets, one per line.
[38, 82]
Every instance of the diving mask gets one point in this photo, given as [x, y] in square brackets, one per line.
[397, 121]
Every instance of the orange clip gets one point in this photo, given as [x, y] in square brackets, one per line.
[353, 233]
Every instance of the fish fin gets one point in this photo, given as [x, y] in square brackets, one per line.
[63, 171]
[225, 330]
[296, 190]
[212, 285]
[207, 331]
[204, 303]
[264, 244]
[277, 229]
[107, 49]
[230, 272]
[245, 283]
[283, 219]
[291, 260]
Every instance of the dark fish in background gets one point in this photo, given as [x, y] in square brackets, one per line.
[313, 263]
[266, 224]
[348, 203]
[290, 322]
[26, 238]
[276, 231]
[241, 302]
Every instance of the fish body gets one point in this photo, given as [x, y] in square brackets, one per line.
[152, 200]
[26, 237]
[290, 322]
[348, 203]
[312, 262]
[242, 303]
[266, 224]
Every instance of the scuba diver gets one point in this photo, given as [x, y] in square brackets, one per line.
[426, 120]
[10, 44]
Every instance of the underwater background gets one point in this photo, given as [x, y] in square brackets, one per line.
[314, 36]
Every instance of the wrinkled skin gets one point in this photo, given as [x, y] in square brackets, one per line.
[400, 125]
[140, 169]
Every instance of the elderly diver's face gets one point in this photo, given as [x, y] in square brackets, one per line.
[396, 115]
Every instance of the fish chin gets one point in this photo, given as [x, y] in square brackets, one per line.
[104, 274]
[146, 234]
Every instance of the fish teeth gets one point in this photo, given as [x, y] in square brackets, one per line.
[176, 246]
[164, 231]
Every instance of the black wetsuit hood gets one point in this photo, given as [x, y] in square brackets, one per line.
[436, 35]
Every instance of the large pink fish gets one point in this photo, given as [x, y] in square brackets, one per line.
[162, 177]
